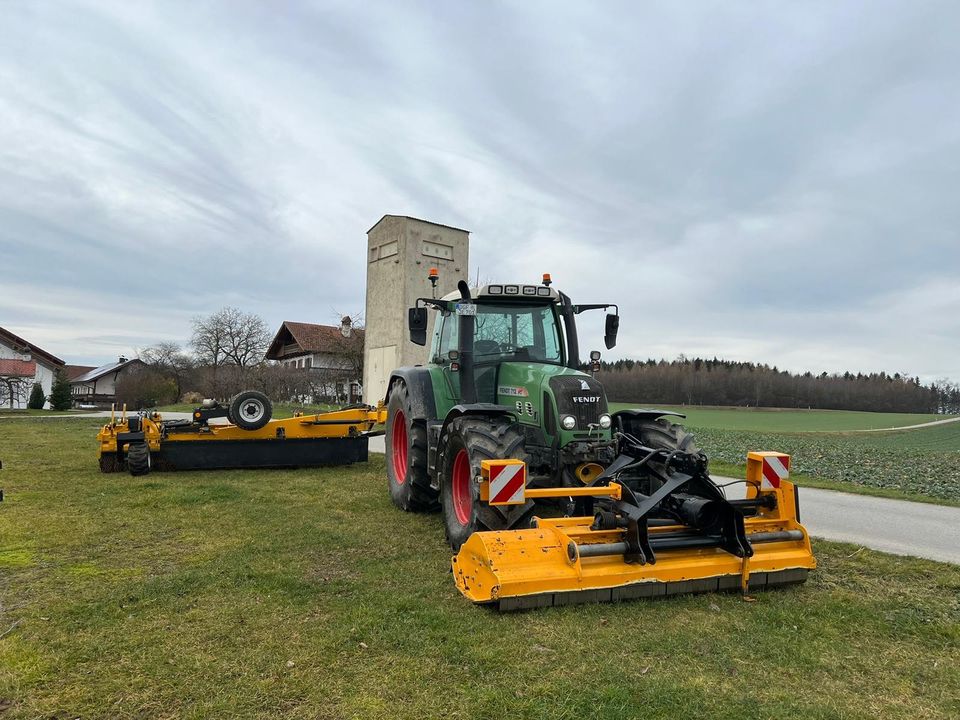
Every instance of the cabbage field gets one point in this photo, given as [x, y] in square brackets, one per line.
[924, 462]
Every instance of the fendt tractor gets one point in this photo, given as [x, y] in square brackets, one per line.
[548, 498]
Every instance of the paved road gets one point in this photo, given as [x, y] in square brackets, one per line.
[909, 427]
[894, 526]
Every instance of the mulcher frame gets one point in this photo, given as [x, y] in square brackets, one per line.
[338, 437]
[622, 553]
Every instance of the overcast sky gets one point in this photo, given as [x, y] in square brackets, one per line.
[774, 182]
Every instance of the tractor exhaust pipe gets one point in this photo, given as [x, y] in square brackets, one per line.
[468, 383]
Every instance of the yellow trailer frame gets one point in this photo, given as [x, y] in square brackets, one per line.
[326, 438]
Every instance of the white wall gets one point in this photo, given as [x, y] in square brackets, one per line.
[44, 376]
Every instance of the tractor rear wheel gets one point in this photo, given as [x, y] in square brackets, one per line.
[406, 453]
[466, 442]
[138, 458]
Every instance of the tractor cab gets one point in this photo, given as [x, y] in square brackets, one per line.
[516, 347]
[522, 330]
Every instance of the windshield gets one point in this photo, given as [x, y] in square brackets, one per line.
[509, 332]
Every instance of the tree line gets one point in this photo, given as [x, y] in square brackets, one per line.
[225, 355]
[702, 381]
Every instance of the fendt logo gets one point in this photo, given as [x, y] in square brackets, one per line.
[586, 399]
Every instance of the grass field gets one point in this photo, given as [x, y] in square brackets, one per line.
[7, 412]
[305, 594]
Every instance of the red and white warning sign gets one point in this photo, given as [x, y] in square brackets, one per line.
[508, 480]
[775, 469]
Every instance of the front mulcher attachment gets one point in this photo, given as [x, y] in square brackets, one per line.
[681, 535]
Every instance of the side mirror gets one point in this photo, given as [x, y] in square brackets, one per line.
[610, 331]
[417, 320]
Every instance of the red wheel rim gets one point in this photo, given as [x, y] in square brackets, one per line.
[462, 492]
[399, 446]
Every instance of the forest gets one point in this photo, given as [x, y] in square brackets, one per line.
[699, 381]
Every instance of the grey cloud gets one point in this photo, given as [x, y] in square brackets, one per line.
[769, 182]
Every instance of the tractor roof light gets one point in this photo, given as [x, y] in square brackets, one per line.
[433, 276]
[546, 279]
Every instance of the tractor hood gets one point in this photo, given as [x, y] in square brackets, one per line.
[542, 394]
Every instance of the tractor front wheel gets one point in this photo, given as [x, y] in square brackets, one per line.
[406, 453]
[466, 442]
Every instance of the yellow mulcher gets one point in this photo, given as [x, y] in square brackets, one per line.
[251, 439]
[698, 542]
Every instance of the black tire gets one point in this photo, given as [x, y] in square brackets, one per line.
[250, 410]
[138, 458]
[480, 438]
[662, 434]
[665, 435]
[406, 453]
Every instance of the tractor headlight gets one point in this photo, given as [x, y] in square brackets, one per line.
[605, 421]
[569, 422]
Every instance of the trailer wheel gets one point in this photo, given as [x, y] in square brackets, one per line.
[138, 458]
[406, 453]
[250, 410]
[466, 442]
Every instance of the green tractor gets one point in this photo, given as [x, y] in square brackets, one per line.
[503, 381]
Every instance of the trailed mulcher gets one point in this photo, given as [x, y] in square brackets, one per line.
[549, 499]
[251, 439]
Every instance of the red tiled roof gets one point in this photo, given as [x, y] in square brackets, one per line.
[18, 368]
[314, 338]
[75, 371]
[16, 340]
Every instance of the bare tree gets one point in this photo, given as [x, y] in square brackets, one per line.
[14, 389]
[169, 359]
[230, 337]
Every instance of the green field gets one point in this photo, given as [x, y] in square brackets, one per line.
[305, 594]
[788, 420]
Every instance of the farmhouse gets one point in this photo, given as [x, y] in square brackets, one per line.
[98, 386]
[331, 357]
[21, 365]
